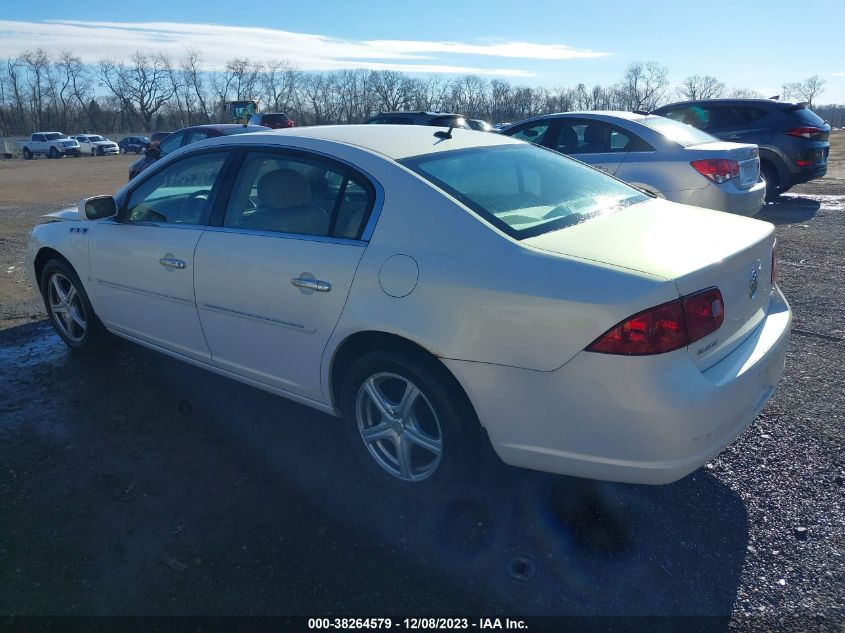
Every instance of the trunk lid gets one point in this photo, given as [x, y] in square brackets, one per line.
[696, 248]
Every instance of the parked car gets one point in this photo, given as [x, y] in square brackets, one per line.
[135, 144]
[158, 137]
[480, 125]
[793, 139]
[50, 144]
[185, 136]
[96, 145]
[439, 119]
[274, 120]
[418, 284]
[661, 156]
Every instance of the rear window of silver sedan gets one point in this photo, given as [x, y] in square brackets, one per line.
[682, 133]
[522, 189]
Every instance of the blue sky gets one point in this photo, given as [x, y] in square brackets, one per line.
[759, 44]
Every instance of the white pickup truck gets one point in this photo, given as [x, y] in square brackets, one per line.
[51, 144]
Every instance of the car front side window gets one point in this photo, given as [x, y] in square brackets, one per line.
[180, 193]
[533, 133]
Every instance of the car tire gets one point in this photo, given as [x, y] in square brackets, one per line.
[122, 150]
[27, 153]
[54, 153]
[770, 176]
[436, 432]
[69, 308]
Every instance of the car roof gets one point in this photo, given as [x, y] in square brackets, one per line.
[394, 141]
[418, 113]
[727, 100]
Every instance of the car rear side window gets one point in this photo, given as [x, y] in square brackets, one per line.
[522, 189]
[298, 194]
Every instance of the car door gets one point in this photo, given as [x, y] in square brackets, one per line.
[597, 143]
[273, 275]
[142, 262]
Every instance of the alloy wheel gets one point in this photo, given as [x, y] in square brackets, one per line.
[66, 307]
[399, 427]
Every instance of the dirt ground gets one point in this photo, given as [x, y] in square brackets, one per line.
[131, 483]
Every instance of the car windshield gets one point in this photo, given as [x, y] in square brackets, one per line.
[95, 138]
[681, 133]
[143, 139]
[524, 190]
[54, 136]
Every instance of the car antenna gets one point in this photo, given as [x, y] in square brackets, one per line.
[446, 134]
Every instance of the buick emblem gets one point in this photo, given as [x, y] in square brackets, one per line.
[752, 284]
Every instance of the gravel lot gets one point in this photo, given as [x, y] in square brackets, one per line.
[133, 484]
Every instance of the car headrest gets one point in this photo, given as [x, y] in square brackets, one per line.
[595, 135]
[283, 189]
[568, 137]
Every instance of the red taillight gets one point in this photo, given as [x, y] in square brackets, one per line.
[705, 312]
[774, 263]
[666, 327]
[290, 123]
[806, 132]
[718, 170]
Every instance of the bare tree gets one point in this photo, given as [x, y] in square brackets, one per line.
[192, 75]
[806, 90]
[643, 86]
[744, 93]
[142, 87]
[701, 87]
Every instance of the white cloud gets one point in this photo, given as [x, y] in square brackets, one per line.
[838, 74]
[218, 43]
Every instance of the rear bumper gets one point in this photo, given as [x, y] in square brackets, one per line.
[726, 197]
[807, 174]
[649, 420]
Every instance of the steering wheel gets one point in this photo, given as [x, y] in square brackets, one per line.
[189, 209]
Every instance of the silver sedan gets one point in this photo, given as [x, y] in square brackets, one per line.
[667, 158]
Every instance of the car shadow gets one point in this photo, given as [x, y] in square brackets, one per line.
[172, 490]
[789, 209]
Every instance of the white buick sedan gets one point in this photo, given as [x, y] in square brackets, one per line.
[433, 288]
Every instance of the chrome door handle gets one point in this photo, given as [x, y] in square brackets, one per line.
[311, 284]
[170, 262]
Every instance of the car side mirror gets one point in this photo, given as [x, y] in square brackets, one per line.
[97, 208]
[153, 151]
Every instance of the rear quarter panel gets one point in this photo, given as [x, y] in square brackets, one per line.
[479, 295]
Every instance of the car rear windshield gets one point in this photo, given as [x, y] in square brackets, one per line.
[524, 190]
[807, 116]
[54, 136]
[274, 118]
[681, 133]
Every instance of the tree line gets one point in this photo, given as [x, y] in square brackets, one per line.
[152, 91]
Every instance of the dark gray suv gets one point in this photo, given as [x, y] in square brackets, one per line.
[793, 139]
[440, 119]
